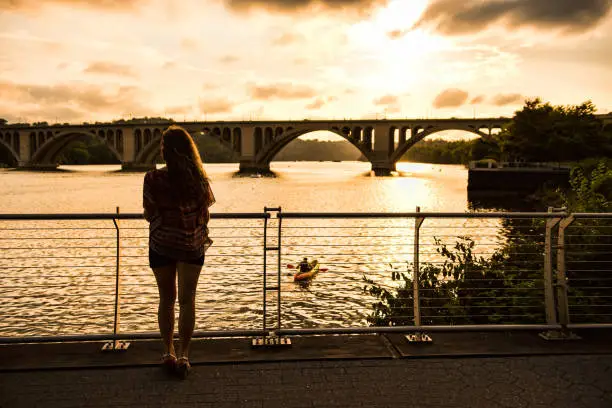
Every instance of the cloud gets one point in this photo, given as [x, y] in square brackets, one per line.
[281, 91]
[49, 114]
[169, 65]
[219, 105]
[229, 59]
[110, 68]
[316, 104]
[189, 44]
[110, 5]
[71, 99]
[287, 39]
[395, 34]
[390, 103]
[387, 100]
[332, 98]
[289, 6]
[179, 110]
[452, 17]
[477, 100]
[507, 99]
[450, 98]
[86, 96]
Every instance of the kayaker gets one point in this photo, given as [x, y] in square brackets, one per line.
[304, 265]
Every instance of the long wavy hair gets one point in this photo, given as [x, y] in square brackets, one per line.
[185, 168]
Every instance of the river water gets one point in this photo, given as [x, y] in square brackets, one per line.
[58, 277]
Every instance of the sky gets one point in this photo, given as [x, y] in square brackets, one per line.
[99, 60]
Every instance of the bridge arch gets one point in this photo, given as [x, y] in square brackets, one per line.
[9, 142]
[419, 133]
[53, 145]
[267, 152]
[225, 136]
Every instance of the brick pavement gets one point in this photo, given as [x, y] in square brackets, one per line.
[515, 382]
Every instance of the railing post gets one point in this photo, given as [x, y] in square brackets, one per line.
[561, 285]
[278, 270]
[265, 271]
[116, 344]
[418, 336]
[549, 294]
[555, 299]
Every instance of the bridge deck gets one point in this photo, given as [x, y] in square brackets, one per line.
[458, 370]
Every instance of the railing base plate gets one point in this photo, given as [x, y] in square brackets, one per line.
[272, 341]
[116, 346]
[419, 338]
[559, 335]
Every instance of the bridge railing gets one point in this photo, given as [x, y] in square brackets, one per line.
[86, 276]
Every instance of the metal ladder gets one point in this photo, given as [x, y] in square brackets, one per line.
[270, 338]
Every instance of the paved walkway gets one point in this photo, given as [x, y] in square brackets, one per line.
[513, 382]
[489, 370]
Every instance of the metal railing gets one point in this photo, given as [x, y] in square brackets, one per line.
[542, 271]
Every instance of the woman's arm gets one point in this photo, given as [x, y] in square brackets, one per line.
[209, 199]
[148, 202]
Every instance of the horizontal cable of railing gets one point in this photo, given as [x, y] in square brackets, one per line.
[592, 215]
[119, 216]
[423, 215]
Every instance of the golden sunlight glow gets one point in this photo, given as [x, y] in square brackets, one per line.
[387, 40]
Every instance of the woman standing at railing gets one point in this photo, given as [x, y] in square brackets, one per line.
[176, 199]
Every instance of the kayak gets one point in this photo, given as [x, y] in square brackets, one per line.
[314, 269]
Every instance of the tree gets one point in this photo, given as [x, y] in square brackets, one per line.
[3, 122]
[545, 133]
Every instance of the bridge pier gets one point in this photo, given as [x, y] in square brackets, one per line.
[248, 167]
[383, 169]
[137, 167]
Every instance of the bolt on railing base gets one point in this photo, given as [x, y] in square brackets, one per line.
[419, 338]
[116, 345]
[271, 341]
[559, 335]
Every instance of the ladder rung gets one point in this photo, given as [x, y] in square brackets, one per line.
[271, 287]
[272, 248]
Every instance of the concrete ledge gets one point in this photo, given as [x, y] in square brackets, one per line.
[491, 344]
[19, 357]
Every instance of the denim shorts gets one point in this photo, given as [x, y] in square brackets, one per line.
[157, 260]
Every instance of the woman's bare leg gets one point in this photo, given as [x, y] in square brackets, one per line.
[188, 275]
[166, 284]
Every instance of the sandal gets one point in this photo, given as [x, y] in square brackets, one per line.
[169, 362]
[183, 367]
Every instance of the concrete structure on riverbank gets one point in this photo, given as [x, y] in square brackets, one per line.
[515, 178]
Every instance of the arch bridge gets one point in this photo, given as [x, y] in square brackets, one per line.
[136, 145]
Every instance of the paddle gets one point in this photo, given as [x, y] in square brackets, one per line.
[290, 266]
